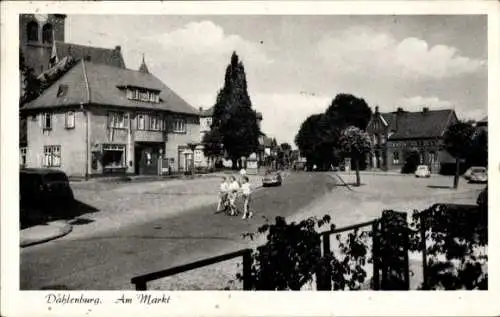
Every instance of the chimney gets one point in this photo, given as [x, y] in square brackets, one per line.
[200, 108]
[399, 110]
[425, 110]
[376, 109]
[118, 48]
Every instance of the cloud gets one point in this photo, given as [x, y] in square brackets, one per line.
[207, 41]
[378, 55]
[284, 113]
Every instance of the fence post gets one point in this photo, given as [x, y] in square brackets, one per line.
[423, 229]
[394, 251]
[375, 256]
[323, 274]
[247, 270]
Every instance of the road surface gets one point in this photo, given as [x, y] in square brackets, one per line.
[107, 261]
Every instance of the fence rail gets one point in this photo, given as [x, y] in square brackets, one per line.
[141, 281]
[390, 246]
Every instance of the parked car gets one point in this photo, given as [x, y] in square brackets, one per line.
[423, 171]
[472, 169]
[479, 175]
[44, 189]
[272, 178]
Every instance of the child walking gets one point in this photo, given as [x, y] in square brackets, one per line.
[234, 187]
[247, 194]
[223, 195]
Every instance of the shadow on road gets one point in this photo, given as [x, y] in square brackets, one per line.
[32, 216]
[440, 186]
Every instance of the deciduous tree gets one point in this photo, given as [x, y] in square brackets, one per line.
[355, 143]
[458, 142]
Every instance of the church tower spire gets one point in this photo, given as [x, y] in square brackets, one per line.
[144, 68]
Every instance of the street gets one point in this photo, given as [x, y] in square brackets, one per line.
[92, 259]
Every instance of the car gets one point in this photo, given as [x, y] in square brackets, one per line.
[272, 178]
[479, 175]
[44, 188]
[423, 171]
[472, 169]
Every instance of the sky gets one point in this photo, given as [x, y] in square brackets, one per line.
[296, 65]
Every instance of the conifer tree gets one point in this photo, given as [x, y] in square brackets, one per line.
[233, 117]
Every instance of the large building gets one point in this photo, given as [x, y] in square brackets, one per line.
[99, 117]
[395, 133]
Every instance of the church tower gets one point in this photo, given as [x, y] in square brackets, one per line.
[37, 33]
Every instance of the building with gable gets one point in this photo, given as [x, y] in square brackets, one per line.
[395, 133]
[101, 119]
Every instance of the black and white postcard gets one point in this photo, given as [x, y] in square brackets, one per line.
[340, 155]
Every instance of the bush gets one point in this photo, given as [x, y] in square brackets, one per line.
[457, 234]
[292, 256]
[412, 160]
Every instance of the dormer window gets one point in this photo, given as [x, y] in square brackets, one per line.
[144, 95]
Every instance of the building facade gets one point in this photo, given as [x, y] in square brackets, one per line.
[102, 119]
[396, 133]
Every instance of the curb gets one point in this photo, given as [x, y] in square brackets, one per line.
[62, 230]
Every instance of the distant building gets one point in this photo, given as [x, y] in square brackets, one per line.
[395, 133]
[99, 118]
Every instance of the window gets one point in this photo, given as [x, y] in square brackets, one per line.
[70, 120]
[118, 120]
[113, 155]
[143, 95]
[47, 121]
[22, 156]
[395, 158]
[32, 31]
[52, 155]
[155, 123]
[47, 34]
[141, 122]
[179, 126]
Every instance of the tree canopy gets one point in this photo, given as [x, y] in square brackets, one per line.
[318, 136]
[458, 139]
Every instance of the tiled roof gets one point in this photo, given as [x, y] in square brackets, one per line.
[413, 125]
[105, 87]
[97, 55]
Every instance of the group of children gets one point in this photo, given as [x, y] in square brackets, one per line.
[230, 189]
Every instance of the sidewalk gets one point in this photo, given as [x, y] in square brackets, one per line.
[43, 233]
[125, 203]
